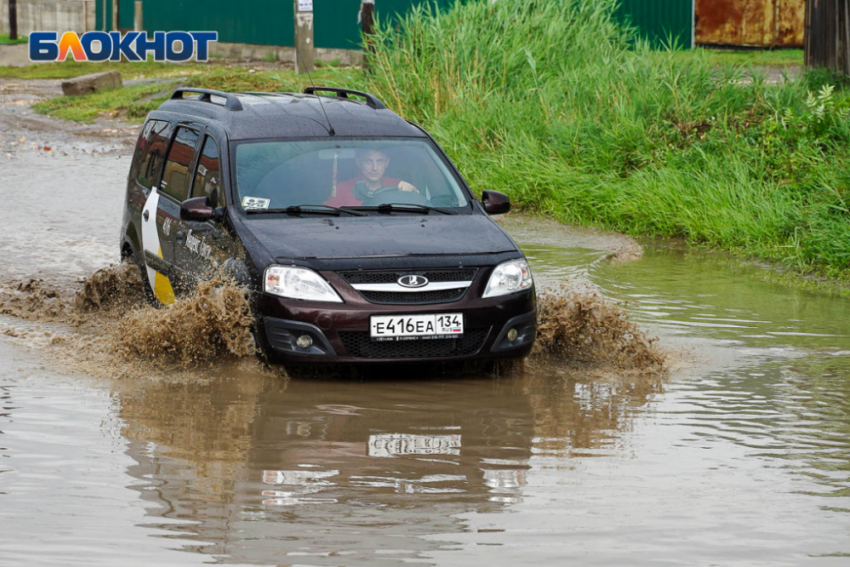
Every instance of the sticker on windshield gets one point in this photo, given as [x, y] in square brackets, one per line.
[255, 203]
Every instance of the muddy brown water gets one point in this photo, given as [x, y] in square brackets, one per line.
[738, 455]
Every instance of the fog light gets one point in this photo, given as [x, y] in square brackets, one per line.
[512, 335]
[304, 341]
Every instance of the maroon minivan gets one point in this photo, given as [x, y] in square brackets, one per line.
[356, 235]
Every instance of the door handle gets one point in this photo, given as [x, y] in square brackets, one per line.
[146, 215]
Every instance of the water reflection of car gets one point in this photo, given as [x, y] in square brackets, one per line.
[358, 236]
[255, 470]
[260, 471]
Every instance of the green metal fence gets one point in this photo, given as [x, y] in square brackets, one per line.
[270, 22]
[662, 22]
[262, 22]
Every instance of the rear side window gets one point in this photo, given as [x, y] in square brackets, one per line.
[141, 146]
[175, 178]
[150, 153]
[207, 177]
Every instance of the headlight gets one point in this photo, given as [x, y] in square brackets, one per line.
[509, 277]
[298, 283]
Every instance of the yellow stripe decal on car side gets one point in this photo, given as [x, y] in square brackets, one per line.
[159, 282]
[162, 286]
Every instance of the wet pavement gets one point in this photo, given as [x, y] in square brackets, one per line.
[61, 185]
[740, 455]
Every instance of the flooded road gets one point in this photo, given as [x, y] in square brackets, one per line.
[739, 455]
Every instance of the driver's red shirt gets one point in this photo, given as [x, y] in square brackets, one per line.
[345, 192]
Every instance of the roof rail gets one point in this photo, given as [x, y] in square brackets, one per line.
[231, 102]
[371, 100]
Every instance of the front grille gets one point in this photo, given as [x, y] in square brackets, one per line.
[441, 296]
[412, 297]
[359, 345]
[365, 277]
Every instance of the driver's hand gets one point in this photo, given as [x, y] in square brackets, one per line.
[405, 186]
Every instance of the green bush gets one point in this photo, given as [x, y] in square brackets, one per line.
[570, 114]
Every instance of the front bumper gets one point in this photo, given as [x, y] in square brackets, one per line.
[339, 332]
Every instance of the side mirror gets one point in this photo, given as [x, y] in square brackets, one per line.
[197, 209]
[495, 203]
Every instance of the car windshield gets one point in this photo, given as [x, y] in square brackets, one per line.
[278, 174]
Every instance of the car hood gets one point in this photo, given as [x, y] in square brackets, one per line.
[373, 236]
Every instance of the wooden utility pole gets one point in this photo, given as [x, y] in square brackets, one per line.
[367, 21]
[13, 20]
[115, 4]
[138, 20]
[305, 51]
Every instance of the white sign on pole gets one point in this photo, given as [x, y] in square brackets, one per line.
[305, 5]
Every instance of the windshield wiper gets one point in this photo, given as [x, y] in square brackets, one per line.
[403, 207]
[309, 209]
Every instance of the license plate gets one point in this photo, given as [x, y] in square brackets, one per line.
[414, 327]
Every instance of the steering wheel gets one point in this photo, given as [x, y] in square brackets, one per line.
[392, 194]
[364, 193]
[384, 189]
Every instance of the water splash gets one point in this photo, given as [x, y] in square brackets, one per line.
[33, 300]
[585, 327]
[114, 327]
[117, 287]
[212, 323]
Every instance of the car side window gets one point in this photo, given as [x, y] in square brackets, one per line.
[141, 146]
[175, 178]
[150, 153]
[207, 176]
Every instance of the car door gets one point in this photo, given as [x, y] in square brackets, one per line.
[202, 246]
[173, 190]
[156, 214]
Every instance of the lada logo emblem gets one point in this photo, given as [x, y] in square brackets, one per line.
[412, 281]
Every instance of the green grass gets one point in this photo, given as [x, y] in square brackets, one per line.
[4, 38]
[754, 57]
[129, 102]
[132, 103]
[331, 63]
[70, 68]
[239, 79]
[558, 106]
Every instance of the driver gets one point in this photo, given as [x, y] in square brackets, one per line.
[371, 164]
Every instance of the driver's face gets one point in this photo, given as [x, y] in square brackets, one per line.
[373, 165]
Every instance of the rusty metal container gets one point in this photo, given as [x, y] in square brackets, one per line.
[755, 23]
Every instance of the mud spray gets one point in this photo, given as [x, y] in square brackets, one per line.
[105, 327]
[586, 328]
[102, 326]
